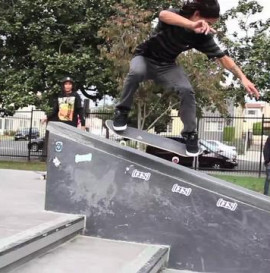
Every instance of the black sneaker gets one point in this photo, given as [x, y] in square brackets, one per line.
[192, 147]
[120, 120]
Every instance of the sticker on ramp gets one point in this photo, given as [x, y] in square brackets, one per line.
[135, 173]
[221, 203]
[83, 158]
[56, 162]
[59, 146]
[181, 190]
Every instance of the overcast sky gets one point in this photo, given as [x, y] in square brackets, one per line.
[227, 4]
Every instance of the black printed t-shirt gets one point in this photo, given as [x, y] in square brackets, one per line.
[168, 41]
[68, 108]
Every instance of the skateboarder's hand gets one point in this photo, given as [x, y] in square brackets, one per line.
[44, 121]
[251, 89]
[202, 26]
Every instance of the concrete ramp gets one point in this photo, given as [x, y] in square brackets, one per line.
[210, 225]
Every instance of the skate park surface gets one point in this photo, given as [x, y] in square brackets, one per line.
[110, 208]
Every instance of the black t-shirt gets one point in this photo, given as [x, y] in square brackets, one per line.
[168, 41]
[68, 108]
[266, 151]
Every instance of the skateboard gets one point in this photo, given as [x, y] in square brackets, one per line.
[150, 139]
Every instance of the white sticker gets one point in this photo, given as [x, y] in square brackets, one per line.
[141, 175]
[83, 158]
[135, 173]
[59, 146]
[221, 203]
[181, 190]
[56, 162]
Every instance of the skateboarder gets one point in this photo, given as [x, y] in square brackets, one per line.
[177, 31]
[68, 106]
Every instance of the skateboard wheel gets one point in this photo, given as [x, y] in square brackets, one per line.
[175, 159]
[123, 142]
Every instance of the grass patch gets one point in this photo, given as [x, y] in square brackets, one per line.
[252, 183]
[23, 165]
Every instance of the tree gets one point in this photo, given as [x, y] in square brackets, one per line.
[249, 46]
[122, 33]
[42, 41]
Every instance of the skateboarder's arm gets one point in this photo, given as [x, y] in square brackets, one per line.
[229, 64]
[172, 18]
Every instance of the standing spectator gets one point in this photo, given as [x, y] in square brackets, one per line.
[266, 154]
[68, 106]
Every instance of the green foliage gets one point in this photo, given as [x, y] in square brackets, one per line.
[205, 77]
[229, 134]
[9, 133]
[41, 41]
[129, 26]
[257, 128]
[123, 31]
[249, 46]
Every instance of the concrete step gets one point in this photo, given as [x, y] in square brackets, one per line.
[95, 255]
[176, 271]
[23, 246]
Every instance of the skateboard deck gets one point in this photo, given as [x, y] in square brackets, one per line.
[150, 139]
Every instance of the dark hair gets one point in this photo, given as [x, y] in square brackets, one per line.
[207, 8]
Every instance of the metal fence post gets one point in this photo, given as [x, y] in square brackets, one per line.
[196, 159]
[30, 133]
[261, 149]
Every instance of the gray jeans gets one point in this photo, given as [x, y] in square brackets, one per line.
[171, 77]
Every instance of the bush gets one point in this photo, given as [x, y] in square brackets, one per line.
[9, 133]
[229, 134]
[239, 144]
[257, 128]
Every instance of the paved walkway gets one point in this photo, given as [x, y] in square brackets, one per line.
[22, 197]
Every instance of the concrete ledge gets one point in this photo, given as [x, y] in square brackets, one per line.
[89, 254]
[21, 245]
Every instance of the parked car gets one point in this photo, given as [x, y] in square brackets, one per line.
[25, 134]
[36, 144]
[210, 158]
[229, 151]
